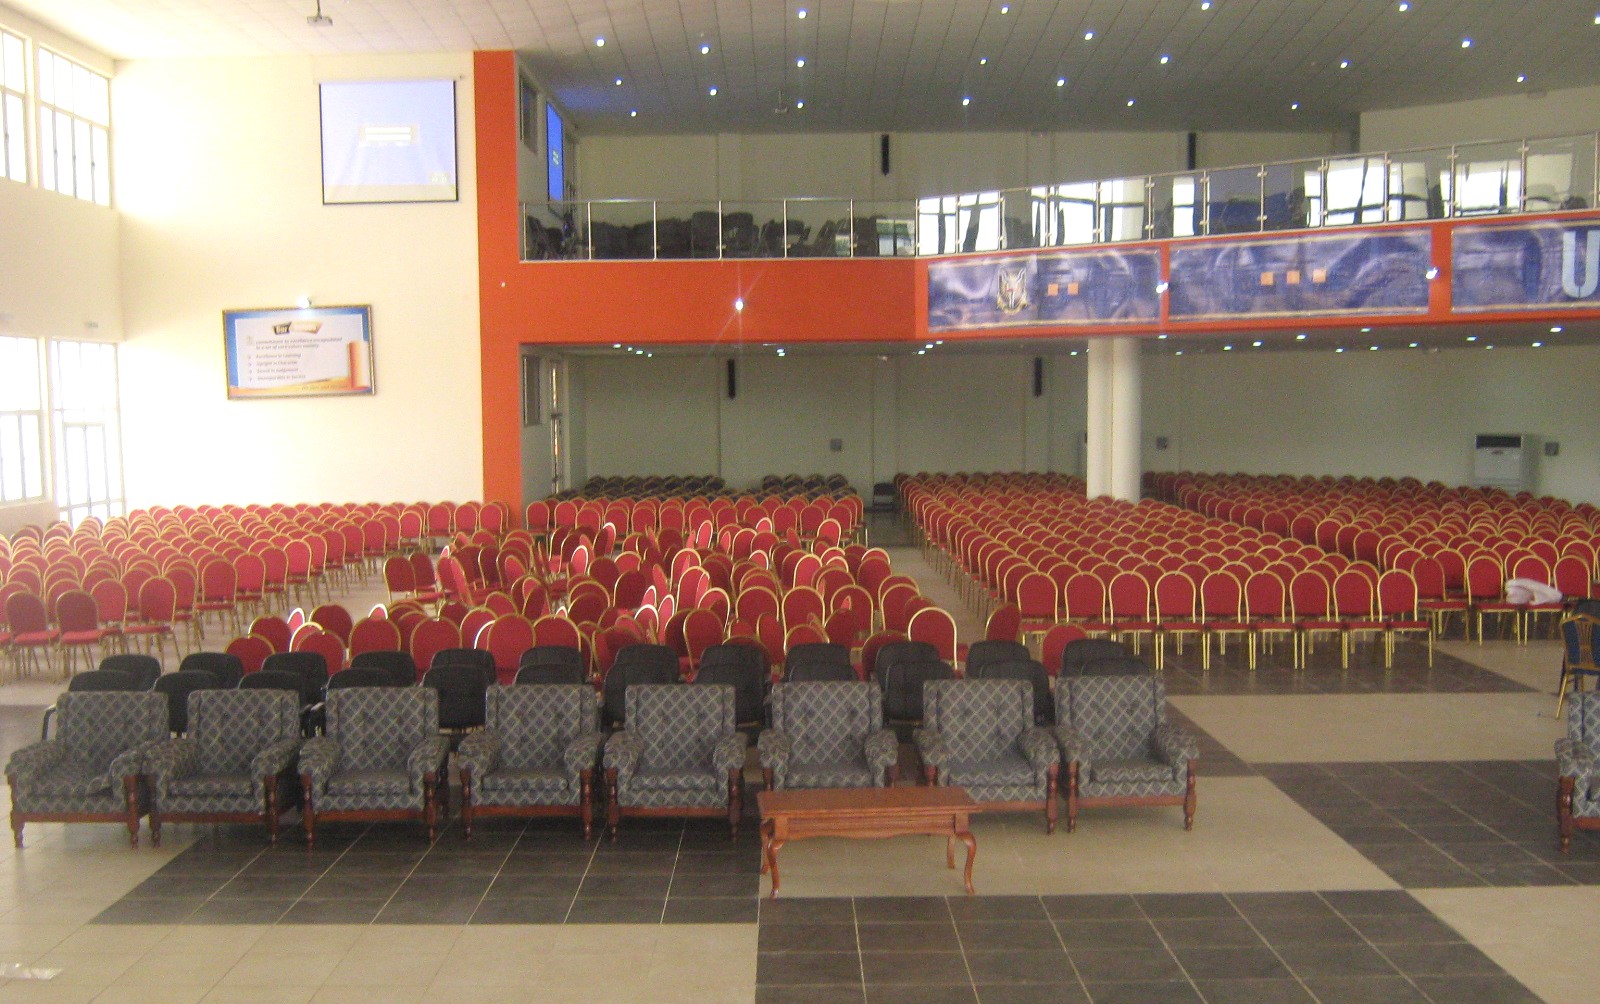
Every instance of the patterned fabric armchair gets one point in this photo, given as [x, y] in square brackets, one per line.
[681, 755]
[91, 771]
[828, 735]
[980, 735]
[535, 755]
[1578, 759]
[380, 757]
[241, 744]
[1118, 746]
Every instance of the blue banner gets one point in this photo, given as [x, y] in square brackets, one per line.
[1525, 266]
[1099, 286]
[1311, 275]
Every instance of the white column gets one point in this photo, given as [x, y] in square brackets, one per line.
[1112, 457]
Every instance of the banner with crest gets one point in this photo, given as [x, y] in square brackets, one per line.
[1046, 288]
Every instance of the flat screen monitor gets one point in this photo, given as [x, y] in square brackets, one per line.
[556, 142]
[388, 141]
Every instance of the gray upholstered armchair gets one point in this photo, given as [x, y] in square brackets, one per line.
[1578, 760]
[91, 771]
[681, 755]
[1119, 747]
[535, 755]
[828, 735]
[980, 735]
[380, 757]
[241, 744]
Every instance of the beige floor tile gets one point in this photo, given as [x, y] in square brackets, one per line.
[477, 969]
[1542, 935]
[114, 938]
[169, 994]
[374, 969]
[605, 939]
[47, 992]
[1248, 836]
[370, 995]
[1375, 727]
[98, 969]
[495, 939]
[1536, 664]
[293, 938]
[426, 939]
[222, 941]
[158, 969]
[309, 968]
[258, 995]
[31, 939]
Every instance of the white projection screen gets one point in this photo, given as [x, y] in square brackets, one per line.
[388, 141]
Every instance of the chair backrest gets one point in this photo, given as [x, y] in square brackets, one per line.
[1583, 719]
[363, 677]
[226, 668]
[979, 719]
[96, 727]
[310, 667]
[816, 661]
[534, 724]
[565, 656]
[678, 726]
[102, 680]
[177, 687]
[1021, 669]
[827, 721]
[1578, 634]
[481, 659]
[983, 653]
[903, 687]
[742, 667]
[636, 665]
[460, 687]
[232, 726]
[143, 668]
[374, 634]
[897, 652]
[1115, 715]
[274, 679]
[397, 665]
[275, 630]
[1078, 654]
[1055, 643]
[377, 727]
[325, 644]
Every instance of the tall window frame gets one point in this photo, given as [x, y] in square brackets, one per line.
[22, 410]
[74, 127]
[85, 427]
[13, 106]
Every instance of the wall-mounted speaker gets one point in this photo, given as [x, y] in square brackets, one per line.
[1038, 376]
[733, 380]
[1194, 150]
[883, 153]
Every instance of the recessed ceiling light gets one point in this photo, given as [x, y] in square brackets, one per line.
[1005, 8]
[1344, 64]
[633, 113]
[1165, 59]
[618, 81]
[1413, 345]
[966, 101]
[800, 62]
[1088, 36]
[1538, 345]
[1431, 274]
[1227, 348]
[1472, 338]
[1178, 353]
[1372, 348]
[1073, 352]
[922, 352]
[1061, 81]
[1466, 43]
[1489, 347]
[1556, 329]
[801, 13]
[711, 91]
[705, 49]
[616, 345]
[800, 104]
[1522, 78]
[1256, 343]
[1205, 4]
[1365, 331]
[1130, 102]
[1161, 338]
[983, 60]
[1339, 349]
[600, 42]
[1300, 337]
[738, 304]
[1294, 106]
[1403, 6]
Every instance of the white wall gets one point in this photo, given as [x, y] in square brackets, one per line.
[1389, 413]
[1537, 113]
[775, 166]
[218, 181]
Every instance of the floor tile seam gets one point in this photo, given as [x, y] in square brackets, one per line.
[966, 964]
[1274, 948]
[594, 852]
[492, 879]
[1164, 944]
[1055, 928]
[677, 855]
[861, 958]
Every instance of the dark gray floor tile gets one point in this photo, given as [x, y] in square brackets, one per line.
[901, 909]
[1499, 989]
[1405, 930]
[1158, 992]
[912, 967]
[1255, 905]
[1231, 963]
[653, 863]
[1524, 873]
[1019, 966]
[342, 886]
[1108, 907]
[333, 911]
[1453, 959]
[912, 937]
[275, 864]
[540, 886]
[624, 887]
[289, 887]
[616, 911]
[747, 885]
[1004, 935]
[1207, 932]
[398, 863]
[429, 909]
[807, 911]
[997, 908]
[1366, 990]
[521, 910]
[443, 887]
[693, 910]
[1234, 991]
[1312, 960]
[148, 911]
[455, 862]
[166, 886]
[712, 863]
[240, 911]
[1103, 964]
[1185, 905]
[1328, 928]
[1108, 934]
[805, 937]
[810, 994]
[954, 993]
[555, 863]
[1373, 902]
[1032, 993]
[778, 968]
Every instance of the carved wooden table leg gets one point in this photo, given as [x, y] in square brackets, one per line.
[966, 837]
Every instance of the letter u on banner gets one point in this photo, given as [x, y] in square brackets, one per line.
[1569, 265]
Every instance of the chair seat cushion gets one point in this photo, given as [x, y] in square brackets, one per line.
[370, 782]
[1008, 770]
[1129, 771]
[82, 637]
[201, 785]
[71, 780]
[531, 781]
[830, 774]
[31, 639]
[678, 780]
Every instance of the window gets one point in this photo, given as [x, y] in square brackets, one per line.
[528, 109]
[13, 120]
[74, 129]
[88, 451]
[21, 420]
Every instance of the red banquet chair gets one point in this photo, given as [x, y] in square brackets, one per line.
[251, 651]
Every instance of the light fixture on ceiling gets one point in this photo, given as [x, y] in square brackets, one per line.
[965, 101]
[705, 48]
[1178, 353]
[1340, 349]
[1205, 4]
[983, 60]
[1344, 64]
[1372, 348]
[1556, 329]
[1165, 59]
[1161, 337]
[618, 81]
[599, 41]
[1466, 43]
[1227, 348]
[801, 13]
[1256, 344]
[1538, 345]
[319, 19]
[1130, 102]
[304, 300]
[1300, 337]
[1294, 106]
[1088, 36]
[1366, 331]
[1061, 81]
[1472, 338]
[1403, 7]
[800, 104]
[1431, 274]
[712, 90]
[633, 113]
[1489, 348]
[1413, 345]
[800, 62]
[1005, 8]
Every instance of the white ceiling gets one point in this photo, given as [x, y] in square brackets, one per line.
[906, 65]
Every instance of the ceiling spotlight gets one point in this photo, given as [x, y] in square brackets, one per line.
[1294, 106]
[1489, 347]
[1061, 81]
[801, 103]
[738, 304]
[711, 91]
[1466, 43]
[633, 113]
[801, 62]
[1472, 338]
[1088, 36]
[1205, 4]
[1161, 338]
[1339, 349]
[801, 13]
[618, 81]
[1522, 78]
[922, 352]
[1538, 345]
[705, 49]
[1227, 348]
[1165, 59]
[1178, 353]
[1073, 352]
[1005, 8]
[965, 102]
[1300, 337]
[1372, 348]
[1366, 331]
[1556, 329]
[1344, 64]
[304, 301]
[1130, 102]
[1431, 274]
[600, 42]
[1403, 6]
[1413, 345]
[1256, 344]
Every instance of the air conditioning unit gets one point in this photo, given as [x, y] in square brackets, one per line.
[1505, 461]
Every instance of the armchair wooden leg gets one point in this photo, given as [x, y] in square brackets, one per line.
[613, 810]
[270, 785]
[308, 814]
[585, 804]
[1188, 799]
[1563, 813]
[430, 804]
[16, 827]
[130, 792]
[1072, 797]
[766, 778]
[930, 774]
[466, 803]
[735, 803]
[1050, 808]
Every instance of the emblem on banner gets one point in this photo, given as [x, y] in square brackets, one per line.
[1011, 291]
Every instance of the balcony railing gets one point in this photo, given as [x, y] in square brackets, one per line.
[1467, 180]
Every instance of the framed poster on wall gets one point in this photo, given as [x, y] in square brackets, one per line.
[298, 352]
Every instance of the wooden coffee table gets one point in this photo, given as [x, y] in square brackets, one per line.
[797, 813]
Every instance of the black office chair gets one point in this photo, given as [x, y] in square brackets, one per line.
[818, 662]
[1031, 670]
[560, 663]
[743, 667]
[635, 664]
[1077, 655]
[143, 668]
[178, 686]
[228, 669]
[984, 653]
[360, 676]
[897, 652]
[462, 704]
[399, 666]
[482, 659]
[902, 683]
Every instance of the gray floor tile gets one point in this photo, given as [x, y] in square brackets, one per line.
[804, 968]
[1108, 934]
[1231, 963]
[1236, 991]
[912, 967]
